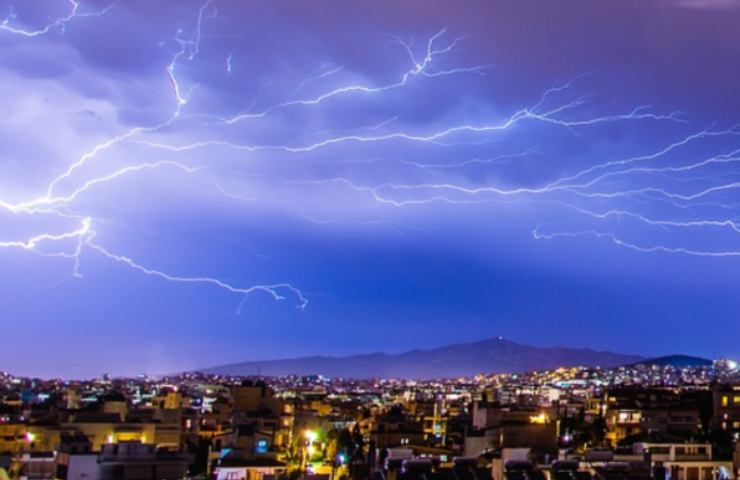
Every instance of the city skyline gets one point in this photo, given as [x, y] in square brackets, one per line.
[202, 183]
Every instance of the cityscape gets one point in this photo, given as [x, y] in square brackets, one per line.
[673, 417]
[369, 240]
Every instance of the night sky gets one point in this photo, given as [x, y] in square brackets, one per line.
[188, 184]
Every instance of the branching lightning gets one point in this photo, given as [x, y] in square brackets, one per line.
[596, 194]
[11, 22]
[423, 67]
[84, 236]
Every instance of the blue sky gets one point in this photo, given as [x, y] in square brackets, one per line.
[186, 184]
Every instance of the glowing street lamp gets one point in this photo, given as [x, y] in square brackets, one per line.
[309, 450]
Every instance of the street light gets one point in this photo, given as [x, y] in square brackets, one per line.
[309, 449]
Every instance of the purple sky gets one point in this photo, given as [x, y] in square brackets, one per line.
[186, 184]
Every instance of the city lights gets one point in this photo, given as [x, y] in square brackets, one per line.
[370, 240]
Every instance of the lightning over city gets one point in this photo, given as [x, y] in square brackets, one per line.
[251, 180]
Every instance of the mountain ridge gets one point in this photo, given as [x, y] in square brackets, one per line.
[677, 360]
[490, 355]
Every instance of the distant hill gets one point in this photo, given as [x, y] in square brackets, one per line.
[493, 355]
[677, 361]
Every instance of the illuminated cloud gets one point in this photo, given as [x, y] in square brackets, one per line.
[194, 164]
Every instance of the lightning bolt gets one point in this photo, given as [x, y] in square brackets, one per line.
[594, 193]
[84, 235]
[58, 24]
[423, 67]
